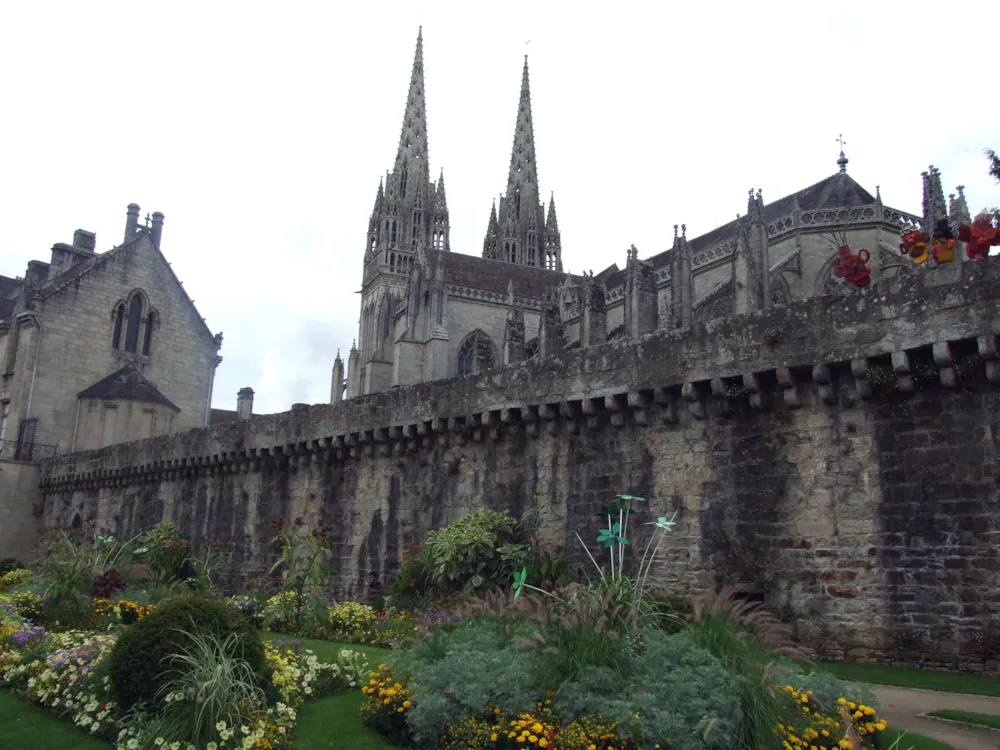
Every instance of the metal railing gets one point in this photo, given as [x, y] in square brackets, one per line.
[14, 450]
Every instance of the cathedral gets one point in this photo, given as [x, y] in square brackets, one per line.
[429, 312]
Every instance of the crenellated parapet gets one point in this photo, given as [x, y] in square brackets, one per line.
[832, 351]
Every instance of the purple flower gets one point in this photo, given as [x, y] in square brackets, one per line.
[8, 608]
[28, 635]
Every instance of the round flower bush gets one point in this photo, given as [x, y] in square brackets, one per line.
[137, 661]
[353, 622]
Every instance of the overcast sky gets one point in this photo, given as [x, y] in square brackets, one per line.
[261, 131]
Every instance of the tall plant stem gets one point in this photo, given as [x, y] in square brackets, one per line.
[622, 522]
[599, 568]
[541, 591]
[611, 550]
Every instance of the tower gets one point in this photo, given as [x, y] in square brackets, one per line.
[410, 215]
[519, 232]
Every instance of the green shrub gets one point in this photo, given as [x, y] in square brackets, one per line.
[13, 578]
[461, 672]
[8, 564]
[140, 657]
[352, 622]
[467, 553]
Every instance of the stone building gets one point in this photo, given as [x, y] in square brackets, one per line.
[101, 348]
[429, 312]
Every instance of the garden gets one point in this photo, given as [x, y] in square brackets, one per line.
[484, 639]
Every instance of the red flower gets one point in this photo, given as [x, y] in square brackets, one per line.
[979, 237]
[853, 267]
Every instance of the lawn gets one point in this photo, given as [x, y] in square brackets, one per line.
[922, 679]
[24, 727]
[911, 741]
[327, 650]
[985, 721]
[335, 722]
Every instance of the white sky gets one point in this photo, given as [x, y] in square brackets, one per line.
[261, 130]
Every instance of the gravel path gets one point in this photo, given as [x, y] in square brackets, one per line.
[901, 708]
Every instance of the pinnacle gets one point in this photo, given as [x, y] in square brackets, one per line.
[523, 170]
[413, 136]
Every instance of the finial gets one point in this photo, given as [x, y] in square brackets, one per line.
[842, 161]
[675, 231]
[684, 230]
[760, 195]
[961, 190]
[338, 353]
[878, 192]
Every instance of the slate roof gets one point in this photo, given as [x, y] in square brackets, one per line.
[127, 383]
[494, 275]
[837, 191]
[220, 416]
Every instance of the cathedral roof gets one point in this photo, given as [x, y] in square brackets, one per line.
[837, 191]
[127, 383]
[494, 275]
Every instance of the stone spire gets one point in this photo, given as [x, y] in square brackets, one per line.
[412, 150]
[958, 209]
[439, 219]
[337, 380]
[553, 240]
[521, 236]
[523, 170]
[934, 206]
[492, 235]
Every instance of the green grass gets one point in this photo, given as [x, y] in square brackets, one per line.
[335, 722]
[24, 727]
[327, 650]
[987, 721]
[923, 679]
[911, 741]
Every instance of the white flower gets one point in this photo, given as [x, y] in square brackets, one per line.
[220, 726]
[158, 741]
[211, 746]
[94, 727]
[133, 744]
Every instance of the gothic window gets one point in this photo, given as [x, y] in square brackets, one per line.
[517, 203]
[531, 348]
[132, 324]
[476, 354]
[147, 337]
[531, 249]
[780, 293]
[506, 251]
[402, 183]
[392, 234]
[119, 324]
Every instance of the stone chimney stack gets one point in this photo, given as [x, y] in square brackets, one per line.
[84, 240]
[244, 403]
[132, 221]
[156, 230]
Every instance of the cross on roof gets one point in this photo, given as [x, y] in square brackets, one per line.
[841, 141]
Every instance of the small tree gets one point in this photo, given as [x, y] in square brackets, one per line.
[305, 563]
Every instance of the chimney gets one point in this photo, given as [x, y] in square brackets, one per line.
[157, 229]
[84, 240]
[244, 403]
[132, 221]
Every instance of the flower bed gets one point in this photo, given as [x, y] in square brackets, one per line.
[65, 673]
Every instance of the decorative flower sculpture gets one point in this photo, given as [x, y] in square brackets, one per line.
[979, 237]
[915, 244]
[612, 536]
[853, 267]
[943, 247]
[519, 581]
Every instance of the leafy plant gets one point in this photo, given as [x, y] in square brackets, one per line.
[136, 661]
[163, 549]
[305, 569]
[472, 553]
[207, 683]
[107, 584]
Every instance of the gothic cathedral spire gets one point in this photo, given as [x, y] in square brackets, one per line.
[518, 232]
[410, 216]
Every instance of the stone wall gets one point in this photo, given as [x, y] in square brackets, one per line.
[19, 498]
[838, 455]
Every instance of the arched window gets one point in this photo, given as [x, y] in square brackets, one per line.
[119, 323]
[531, 348]
[132, 327]
[147, 337]
[476, 354]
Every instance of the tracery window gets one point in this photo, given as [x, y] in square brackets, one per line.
[147, 337]
[476, 354]
[119, 327]
[132, 326]
[531, 348]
